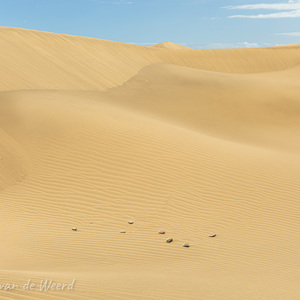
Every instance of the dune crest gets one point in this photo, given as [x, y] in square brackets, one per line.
[169, 45]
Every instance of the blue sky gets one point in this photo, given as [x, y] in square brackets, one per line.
[194, 23]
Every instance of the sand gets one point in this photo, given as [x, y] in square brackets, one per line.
[169, 45]
[96, 134]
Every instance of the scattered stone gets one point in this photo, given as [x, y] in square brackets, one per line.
[162, 232]
[169, 240]
[186, 245]
[74, 228]
[130, 222]
[122, 231]
[213, 235]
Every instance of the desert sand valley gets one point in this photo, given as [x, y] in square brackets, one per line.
[96, 134]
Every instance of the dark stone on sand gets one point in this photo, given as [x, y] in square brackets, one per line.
[169, 240]
[122, 231]
[130, 222]
[186, 245]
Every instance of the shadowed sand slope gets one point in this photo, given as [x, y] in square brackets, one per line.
[246, 108]
[14, 163]
[172, 140]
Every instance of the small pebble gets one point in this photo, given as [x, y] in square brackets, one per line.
[186, 245]
[169, 240]
[213, 235]
[130, 222]
[162, 232]
[74, 228]
[122, 231]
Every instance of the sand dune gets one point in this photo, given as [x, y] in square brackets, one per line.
[41, 60]
[169, 45]
[97, 133]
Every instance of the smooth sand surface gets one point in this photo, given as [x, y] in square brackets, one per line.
[95, 134]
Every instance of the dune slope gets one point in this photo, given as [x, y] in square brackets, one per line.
[246, 108]
[188, 141]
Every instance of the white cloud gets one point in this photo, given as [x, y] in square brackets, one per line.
[297, 34]
[291, 5]
[226, 45]
[280, 15]
[248, 45]
[290, 9]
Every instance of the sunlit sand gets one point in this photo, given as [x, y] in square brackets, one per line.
[108, 150]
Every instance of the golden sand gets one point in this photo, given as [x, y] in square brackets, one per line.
[96, 135]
